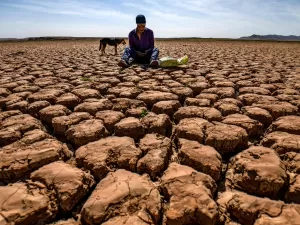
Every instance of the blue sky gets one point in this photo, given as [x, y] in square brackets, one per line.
[167, 18]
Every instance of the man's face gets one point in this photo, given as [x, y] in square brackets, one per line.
[141, 27]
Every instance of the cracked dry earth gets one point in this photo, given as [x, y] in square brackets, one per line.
[214, 143]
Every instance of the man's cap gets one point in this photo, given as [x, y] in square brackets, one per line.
[140, 19]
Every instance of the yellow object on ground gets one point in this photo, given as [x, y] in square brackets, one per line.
[172, 62]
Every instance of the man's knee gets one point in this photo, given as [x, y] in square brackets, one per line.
[156, 50]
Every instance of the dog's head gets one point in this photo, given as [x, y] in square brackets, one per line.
[121, 41]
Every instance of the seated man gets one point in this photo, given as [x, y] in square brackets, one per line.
[141, 46]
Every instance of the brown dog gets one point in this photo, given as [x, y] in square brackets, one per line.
[111, 42]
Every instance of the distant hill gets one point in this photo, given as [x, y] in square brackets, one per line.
[49, 38]
[272, 37]
[8, 39]
[253, 37]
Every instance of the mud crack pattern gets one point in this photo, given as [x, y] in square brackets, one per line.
[216, 142]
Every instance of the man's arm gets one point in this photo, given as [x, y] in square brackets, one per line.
[131, 41]
[150, 42]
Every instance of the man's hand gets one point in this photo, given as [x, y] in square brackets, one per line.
[141, 54]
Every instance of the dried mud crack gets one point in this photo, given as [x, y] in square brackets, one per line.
[214, 143]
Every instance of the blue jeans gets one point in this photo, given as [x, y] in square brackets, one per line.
[130, 53]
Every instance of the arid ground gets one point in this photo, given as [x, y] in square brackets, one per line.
[214, 142]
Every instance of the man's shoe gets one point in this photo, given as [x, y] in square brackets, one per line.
[130, 61]
[154, 63]
[123, 63]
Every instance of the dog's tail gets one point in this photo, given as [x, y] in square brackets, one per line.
[100, 45]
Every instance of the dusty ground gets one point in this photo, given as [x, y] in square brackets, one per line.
[217, 142]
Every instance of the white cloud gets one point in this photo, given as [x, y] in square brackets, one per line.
[68, 7]
[167, 18]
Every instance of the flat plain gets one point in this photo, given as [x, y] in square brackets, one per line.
[216, 142]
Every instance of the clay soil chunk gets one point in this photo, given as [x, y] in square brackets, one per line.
[198, 87]
[66, 222]
[11, 99]
[69, 100]
[190, 196]
[22, 123]
[125, 92]
[227, 109]
[22, 106]
[4, 92]
[208, 96]
[282, 142]
[20, 158]
[251, 210]
[50, 112]
[166, 107]
[44, 82]
[152, 97]
[257, 170]
[62, 123]
[6, 114]
[9, 135]
[222, 92]
[34, 136]
[85, 93]
[192, 129]
[258, 114]
[278, 109]
[160, 124]
[253, 127]
[254, 90]
[9, 85]
[292, 162]
[93, 105]
[23, 203]
[70, 183]
[35, 107]
[156, 150]
[231, 101]
[123, 104]
[250, 99]
[136, 112]
[207, 113]
[109, 153]
[182, 92]
[202, 158]
[293, 193]
[197, 102]
[49, 95]
[123, 197]
[226, 139]
[13, 127]
[86, 131]
[289, 124]
[110, 118]
[22, 88]
[131, 127]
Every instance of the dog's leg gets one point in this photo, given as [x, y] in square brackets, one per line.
[103, 48]
[116, 52]
[100, 45]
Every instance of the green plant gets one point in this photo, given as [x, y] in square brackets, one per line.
[86, 79]
[144, 113]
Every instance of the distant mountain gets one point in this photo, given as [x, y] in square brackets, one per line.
[272, 37]
[53, 38]
[48, 38]
[8, 39]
